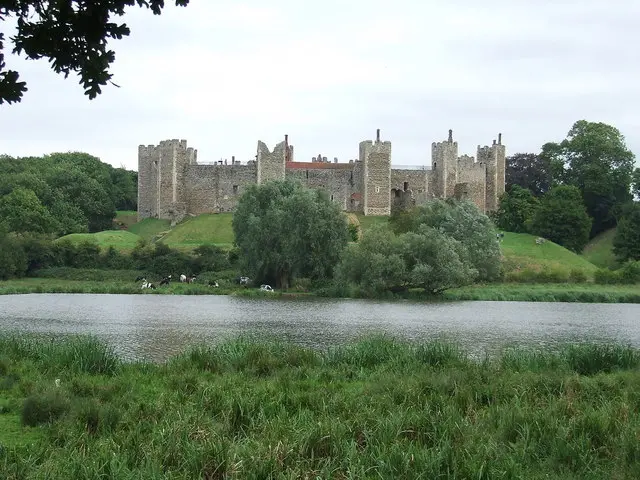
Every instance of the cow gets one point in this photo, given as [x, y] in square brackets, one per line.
[213, 283]
[166, 280]
[191, 279]
[183, 278]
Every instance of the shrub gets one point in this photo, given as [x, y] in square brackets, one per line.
[577, 276]
[604, 276]
[45, 408]
[630, 273]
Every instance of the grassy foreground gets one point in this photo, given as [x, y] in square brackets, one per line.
[378, 408]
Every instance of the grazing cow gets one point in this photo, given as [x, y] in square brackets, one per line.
[146, 285]
[191, 279]
[540, 241]
[183, 278]
[165, 280]
[213, 283]
[243, 280]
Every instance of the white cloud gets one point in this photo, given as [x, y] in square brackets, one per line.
[224, 74]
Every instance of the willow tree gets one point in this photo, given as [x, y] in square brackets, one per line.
[285, 230]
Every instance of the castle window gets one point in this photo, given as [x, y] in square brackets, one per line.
[307, 173]
[397, 193]
[332, 198]
[406, 186]
[235, 189]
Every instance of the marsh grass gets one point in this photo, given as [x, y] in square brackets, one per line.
[377, 408]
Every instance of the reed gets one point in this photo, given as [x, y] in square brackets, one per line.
[376, 408]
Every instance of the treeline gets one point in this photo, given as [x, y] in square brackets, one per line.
[63, 193]
[285, 232]
[573, 190]
[27, 254]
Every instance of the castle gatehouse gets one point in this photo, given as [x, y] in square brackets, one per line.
[172, 184]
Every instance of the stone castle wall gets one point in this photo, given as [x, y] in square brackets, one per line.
[172, 184]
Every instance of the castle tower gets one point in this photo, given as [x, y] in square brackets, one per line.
[148, 188]
[161, 179]
[494, 159]
[271, 165]
[376, 158]
[444, 160]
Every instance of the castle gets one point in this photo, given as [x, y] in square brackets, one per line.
[172, 184]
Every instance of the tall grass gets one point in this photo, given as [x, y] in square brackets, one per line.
[377, 408]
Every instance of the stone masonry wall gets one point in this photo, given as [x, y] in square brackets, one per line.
[336, 181]
[271, 165]
[172, 184]
[377, 176]
[148, 157]
[416, 184]
[474, 178]
[217, 188]
[487, 156]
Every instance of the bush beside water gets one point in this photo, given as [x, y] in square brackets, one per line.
[378, 408]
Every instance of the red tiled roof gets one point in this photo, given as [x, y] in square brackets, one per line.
[319, 165]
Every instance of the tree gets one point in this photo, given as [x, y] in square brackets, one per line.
[21, 211]
[462, 221]
[72, 34]
[563, 218]
[285, 230]
[635, 185]
[516, 209]
[594, 158]
[426, 259]
[626, 243]
[529, 171]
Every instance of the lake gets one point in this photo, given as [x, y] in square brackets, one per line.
[156, 327]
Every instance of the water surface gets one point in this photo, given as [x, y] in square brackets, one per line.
[155, 327]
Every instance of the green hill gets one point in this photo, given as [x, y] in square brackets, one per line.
[521, 252]
[150, 228]
[125, 218]
[212, 228]
[599, 250]
[121, 240]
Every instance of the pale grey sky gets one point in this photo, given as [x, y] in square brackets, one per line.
[224, 74]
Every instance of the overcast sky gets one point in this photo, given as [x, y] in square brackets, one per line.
[223, 74]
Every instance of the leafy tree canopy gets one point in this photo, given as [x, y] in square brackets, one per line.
[69, 193]
[635, 186]
[595, 159]
[563, 218]
[516, 209]
[427, 259]
[626, 243]
[529, 171]
[463, 222]
[285, 230]
[72, 34]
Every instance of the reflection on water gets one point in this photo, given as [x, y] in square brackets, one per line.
[155, 327]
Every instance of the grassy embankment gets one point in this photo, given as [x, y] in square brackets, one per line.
[599, 250]
[375, 409]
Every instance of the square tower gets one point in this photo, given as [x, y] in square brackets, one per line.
[444, 161]
[376, 157]
[271, 165]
